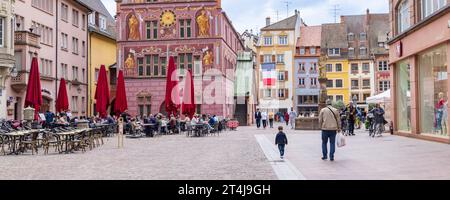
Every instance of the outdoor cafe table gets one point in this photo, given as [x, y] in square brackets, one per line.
[17, 136]
[69, 136]
[152, 127]
[198, 129]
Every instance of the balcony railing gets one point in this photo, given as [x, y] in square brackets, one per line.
[26, 38]
[19, 83]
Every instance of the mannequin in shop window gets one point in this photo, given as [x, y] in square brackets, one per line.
[440, 107]
[445, 119]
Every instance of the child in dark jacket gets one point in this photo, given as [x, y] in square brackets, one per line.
[281, 141]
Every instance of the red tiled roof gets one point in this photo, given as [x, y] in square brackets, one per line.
[310, 36]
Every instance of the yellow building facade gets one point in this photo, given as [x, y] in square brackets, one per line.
[102, 51]
[338, 85]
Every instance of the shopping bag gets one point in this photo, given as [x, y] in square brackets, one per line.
[340, 140]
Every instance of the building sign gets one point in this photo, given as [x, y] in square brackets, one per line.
[399, 49]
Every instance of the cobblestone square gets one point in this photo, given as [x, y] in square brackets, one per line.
[246, 154]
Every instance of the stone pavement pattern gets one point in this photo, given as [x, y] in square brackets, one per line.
[364, 158]
[232, 155]
[246, 154]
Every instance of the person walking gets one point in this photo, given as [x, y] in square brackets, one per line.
[281, 141]
[271, 118]
[351, 109]
[378, 114]
[329, 123]
[292, 117]
[264, 119]
[286, 118]
[258, 118]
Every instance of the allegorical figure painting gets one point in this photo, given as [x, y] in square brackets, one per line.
[133, 28]
[208, 58]
[203, 24]
[129, 62]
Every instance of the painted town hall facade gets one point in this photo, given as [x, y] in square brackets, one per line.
[197, 33]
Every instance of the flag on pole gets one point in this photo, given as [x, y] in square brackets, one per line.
[269, 74]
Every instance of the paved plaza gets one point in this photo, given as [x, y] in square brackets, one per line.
[246, 154]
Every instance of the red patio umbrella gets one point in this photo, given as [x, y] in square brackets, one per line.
[62, 103]
[121, 97]
[34, 94]
[172, 94]
[102, 93]
[188, 106]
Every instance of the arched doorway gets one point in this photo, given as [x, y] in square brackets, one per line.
[46, 102]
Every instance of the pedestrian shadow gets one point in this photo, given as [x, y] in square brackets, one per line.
[277, 161]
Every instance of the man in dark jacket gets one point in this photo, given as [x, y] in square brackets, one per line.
[281, 141]
[258, 117]
[378, 114]
[351, 110]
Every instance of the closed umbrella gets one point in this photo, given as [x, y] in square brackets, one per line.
[102, 93]
[62, 103]
[172, 96]
[121, 104]
[188, 106]
[34, 95]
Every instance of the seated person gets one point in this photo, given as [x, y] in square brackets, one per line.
[163, 125]
[172, 125]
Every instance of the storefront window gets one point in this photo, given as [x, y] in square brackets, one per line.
[403, 96]
[433, 81]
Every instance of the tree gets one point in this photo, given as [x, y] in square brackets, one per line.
[338, 105]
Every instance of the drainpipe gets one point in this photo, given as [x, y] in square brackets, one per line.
[89, 79]
[87, 64]
[56, 49]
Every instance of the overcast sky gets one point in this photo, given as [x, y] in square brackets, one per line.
[251, 14]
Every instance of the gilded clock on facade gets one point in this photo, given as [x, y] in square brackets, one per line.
[168, 18]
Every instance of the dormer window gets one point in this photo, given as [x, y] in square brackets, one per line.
[362, 51]
[92, 18]
[334, 52]
[351, 37]
[302, 51]
[362, 36]
[102, 23]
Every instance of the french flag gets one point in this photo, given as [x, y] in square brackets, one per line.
[269, 74]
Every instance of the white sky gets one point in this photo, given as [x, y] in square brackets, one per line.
[251, 14]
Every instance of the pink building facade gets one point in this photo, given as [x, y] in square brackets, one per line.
[55, 31]
[419, 55]
[200, 37]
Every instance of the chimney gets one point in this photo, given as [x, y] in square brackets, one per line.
[267, 21]
[342, 19]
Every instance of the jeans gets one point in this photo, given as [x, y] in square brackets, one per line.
[328, 135]
[281, 148]
[258, 123]
[264, 123]
[271, 123]
[292, 122]
[351, 127]
[439, 115]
